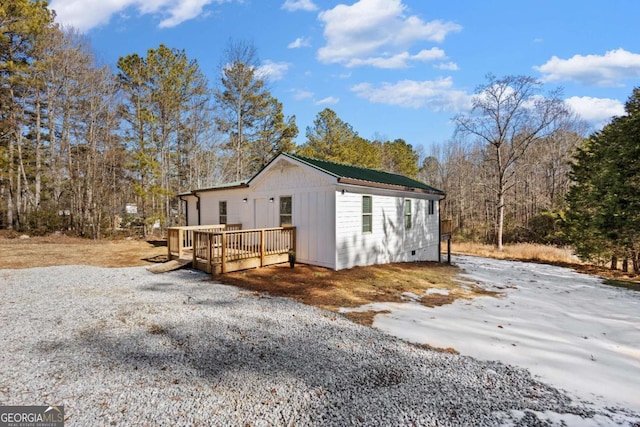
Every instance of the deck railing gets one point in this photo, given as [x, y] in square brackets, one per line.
[224, 251]
[180, 239]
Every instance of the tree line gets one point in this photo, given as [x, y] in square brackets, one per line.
[79, 141]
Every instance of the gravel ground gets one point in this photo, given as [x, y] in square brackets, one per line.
[122, 346]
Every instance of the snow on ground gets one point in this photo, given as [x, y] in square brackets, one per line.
[569, 329]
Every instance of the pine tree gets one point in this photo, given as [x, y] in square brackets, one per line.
[603, 217]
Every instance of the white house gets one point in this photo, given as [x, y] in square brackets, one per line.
[344, 215]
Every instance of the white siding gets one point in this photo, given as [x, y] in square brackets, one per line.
[389, 241]
[313, 201]
[328, 217]
[192, 211]
[238, 212]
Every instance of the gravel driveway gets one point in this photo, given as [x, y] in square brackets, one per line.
[123, 346]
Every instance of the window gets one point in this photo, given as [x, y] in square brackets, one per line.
[286, 218]
[432, 207]
[222, 206]
[367, 214]
[407, 214]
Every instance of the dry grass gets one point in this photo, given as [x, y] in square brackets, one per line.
[519, 251]
[357, 286]
[563, 257]
[53, 250]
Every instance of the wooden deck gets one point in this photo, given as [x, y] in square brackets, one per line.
[219, 249]
[222, 248]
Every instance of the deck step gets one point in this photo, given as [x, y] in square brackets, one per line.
[174, 264]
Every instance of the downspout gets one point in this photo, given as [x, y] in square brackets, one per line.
[186, 212]
[197, 205]
[439, 233]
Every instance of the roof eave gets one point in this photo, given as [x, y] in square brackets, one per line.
[361, 183]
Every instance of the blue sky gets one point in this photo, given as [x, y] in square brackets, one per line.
[390, 68]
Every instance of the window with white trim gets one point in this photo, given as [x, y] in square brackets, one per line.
[432, 207]
[367, 214]
[407, 214]
[286, 211]
[222, 207]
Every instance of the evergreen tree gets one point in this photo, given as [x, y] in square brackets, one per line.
[250, 118]
[332, 139]
[23, 23]
[603, 217]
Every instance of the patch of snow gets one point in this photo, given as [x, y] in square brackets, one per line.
[436, 291]
[569, 329]
[411, 296]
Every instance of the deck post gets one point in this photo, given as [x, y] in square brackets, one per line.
[210, 242]
[193, 253]
[262, 248]
[293, 239]
[223, 267]
[180, 242]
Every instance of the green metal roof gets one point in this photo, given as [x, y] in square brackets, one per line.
[349, 172]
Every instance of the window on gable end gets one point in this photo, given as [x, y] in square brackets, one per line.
[286, 211]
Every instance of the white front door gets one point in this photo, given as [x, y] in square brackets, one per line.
[264, 214]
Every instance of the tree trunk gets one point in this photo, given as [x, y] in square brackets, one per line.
[500, 222]
[614, 263]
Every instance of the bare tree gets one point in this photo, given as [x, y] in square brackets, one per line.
[508, 116]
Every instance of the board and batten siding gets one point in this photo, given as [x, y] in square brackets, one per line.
[388, 241]
[313, 208]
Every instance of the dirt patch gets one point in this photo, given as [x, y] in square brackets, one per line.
[364, 317]
[53, 250]
[449, 350]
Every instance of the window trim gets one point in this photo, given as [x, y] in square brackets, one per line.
[290, 214]
[221, 215]
[367, 217]
[432, 207]
[408, 216]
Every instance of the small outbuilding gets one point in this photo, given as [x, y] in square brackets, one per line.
[344, 216]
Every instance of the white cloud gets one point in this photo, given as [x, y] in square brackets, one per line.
[610, 69]
[447, 66]
[87, 14]
[183, 11]
[596, 111]
[299, 42]
[437, 95]
[273, 71]
[330, 100]
[398, 61]
[293, 5]
[299, 94]
[371, 29]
